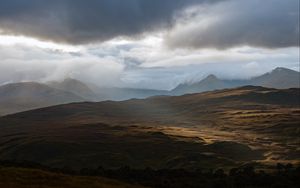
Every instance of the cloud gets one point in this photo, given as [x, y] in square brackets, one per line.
[268, 24]
[129, 40]
[189, 23]
[80, 21]
[123, 63]
[21, 63]
[162, 68]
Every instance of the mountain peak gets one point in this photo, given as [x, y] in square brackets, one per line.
[70, 83]
[280, 78]
[211, 77]
[281, 70]
[75, 86]
[71, 80]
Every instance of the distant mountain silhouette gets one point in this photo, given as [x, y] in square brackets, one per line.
[118, 94]
[75, 86]
[279, 78]
[24, 96]
[29, 95]
[91, 92]
[209, 83]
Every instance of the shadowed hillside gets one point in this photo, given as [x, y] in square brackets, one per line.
[76, 87]
[30, 95]
[28, 174]
[24, 178]
[213, 129]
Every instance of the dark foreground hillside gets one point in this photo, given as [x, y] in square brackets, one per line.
[15, 177]
[30, 175]
[220, 129]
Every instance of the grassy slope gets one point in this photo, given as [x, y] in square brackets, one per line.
[96, 133]
[11, 177]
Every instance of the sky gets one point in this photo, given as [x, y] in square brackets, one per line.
[146, 43]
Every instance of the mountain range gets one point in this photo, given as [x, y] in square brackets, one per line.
[23, 96]
[279, 78]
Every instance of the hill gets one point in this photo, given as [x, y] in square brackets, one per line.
[279, 78]
[223, 128]
[30, 95]
[75, 86]
[210, 83]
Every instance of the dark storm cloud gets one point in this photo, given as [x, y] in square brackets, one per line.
[267, 23]
[81, 21]
[216, 24]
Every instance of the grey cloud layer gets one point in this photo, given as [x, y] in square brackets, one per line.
[216, 24]
[126, 65]
[268, 23]
[81, 21]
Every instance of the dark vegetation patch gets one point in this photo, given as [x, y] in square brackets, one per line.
[248, 175]
[116, 146]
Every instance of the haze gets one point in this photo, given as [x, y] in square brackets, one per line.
[146, 44]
